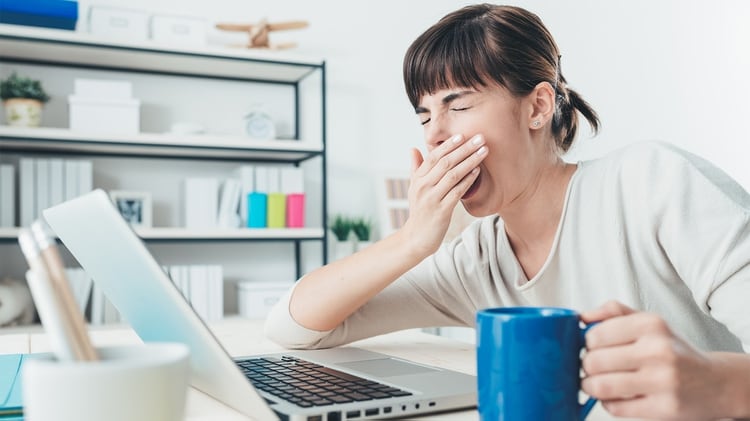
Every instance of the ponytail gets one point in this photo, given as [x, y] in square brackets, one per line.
[565, 121]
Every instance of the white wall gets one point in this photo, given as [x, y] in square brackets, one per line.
[671, 70]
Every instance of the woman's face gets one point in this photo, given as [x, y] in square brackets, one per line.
[495, 114]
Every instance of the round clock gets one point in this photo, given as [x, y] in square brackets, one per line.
[259, 125]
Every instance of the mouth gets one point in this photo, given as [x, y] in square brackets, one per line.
[473, 188]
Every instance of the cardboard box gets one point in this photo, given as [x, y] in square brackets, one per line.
[112, 22]
[178, 30]
[121, 116]
[255, 299]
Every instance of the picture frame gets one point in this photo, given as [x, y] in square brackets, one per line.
[134, 206]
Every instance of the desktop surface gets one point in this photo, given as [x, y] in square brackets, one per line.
[243, 337]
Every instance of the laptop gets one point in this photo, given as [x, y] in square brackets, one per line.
[317, 385]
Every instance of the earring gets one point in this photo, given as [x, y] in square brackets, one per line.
[536, 123]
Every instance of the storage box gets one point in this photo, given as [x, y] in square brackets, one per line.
[178, 30]
[58, 14]
[125, 24]
[103, 89]
[255, 299]
[120, 116]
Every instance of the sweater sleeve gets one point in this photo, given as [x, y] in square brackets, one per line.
[703, 229]
[432, 294]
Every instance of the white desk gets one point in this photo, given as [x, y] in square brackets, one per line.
[244, 337]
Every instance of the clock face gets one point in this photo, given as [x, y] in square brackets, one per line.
[260, 126]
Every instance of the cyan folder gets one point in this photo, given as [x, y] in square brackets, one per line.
[11, 406]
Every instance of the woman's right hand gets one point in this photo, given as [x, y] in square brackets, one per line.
[438, 181]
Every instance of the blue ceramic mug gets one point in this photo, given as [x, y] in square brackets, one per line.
[529, 364]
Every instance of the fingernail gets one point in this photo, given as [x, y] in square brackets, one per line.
[477, 139]
[482, 150]
[456, 138]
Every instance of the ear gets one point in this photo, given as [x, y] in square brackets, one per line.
[541, 105]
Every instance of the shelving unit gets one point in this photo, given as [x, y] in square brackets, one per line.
[68, 49]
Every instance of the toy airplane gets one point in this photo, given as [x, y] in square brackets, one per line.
[258, 32]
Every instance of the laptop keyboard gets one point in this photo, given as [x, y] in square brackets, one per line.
[307, 384]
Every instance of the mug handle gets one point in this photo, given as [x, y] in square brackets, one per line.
[586, 407]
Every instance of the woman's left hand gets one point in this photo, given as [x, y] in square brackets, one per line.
[638, 368]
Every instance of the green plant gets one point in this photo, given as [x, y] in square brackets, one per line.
[362, 229]
[22, 87]
[341, 226]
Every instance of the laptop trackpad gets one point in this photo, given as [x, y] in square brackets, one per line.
[385, 367]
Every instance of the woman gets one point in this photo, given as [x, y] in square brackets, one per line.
[650, 240]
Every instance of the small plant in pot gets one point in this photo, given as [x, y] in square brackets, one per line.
[362, 229]
[23, 99]
[341, 227]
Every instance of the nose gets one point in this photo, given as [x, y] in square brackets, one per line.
[436, 132]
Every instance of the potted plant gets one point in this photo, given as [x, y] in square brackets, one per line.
[23, 99]
[362, 229]
[341, 227]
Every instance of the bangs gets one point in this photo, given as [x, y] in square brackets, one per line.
[450, 56]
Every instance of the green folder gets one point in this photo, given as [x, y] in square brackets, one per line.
[11, 406]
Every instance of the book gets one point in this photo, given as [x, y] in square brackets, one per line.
[10, 385]
[70, 188]
[246, 175]
[201, 202]
[85, 176]
[7, 196]
[41, 167]
[228, 216]
[56, 181]
[27, 191]
[199, 290]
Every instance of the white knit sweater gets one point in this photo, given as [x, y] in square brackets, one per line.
[652, 226]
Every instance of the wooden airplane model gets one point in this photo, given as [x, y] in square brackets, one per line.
[258, 32]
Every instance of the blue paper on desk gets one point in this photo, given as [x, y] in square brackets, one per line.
[11, 406]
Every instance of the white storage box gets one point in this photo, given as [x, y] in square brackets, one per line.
[178, 30]
[112, 22]
[103, 89]
[121, 116]
[255, 298]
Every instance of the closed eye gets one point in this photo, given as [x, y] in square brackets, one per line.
[425, 122]
[460, 109]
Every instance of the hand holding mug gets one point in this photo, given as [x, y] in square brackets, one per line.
[638, 368]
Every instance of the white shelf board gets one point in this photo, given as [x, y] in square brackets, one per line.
[83, 49]
[155, 144]
[210, 233]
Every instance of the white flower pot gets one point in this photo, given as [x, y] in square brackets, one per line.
[23, 112]
[341, 249]
[361, 245]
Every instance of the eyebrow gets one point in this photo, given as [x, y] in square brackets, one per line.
[446, 100]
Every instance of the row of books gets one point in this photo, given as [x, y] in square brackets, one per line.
[202, 286]
[42, 182]
[260, 196]
[90, 299]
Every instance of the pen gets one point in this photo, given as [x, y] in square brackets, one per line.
[61, 285]
[55, 320]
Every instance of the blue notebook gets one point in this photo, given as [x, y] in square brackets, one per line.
[11, 406]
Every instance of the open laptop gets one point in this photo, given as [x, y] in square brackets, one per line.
[335, 384]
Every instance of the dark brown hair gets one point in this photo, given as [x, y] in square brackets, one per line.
[487, 44]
